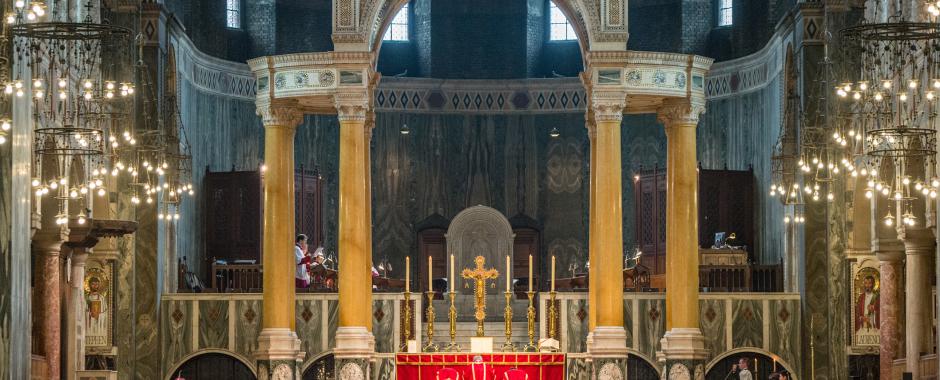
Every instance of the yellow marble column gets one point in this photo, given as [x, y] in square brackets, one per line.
[683, 340]
[278, 344]
[592, 213]
[608, 336]
[353, 336]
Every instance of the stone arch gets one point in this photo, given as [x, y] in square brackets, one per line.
[381, 16]
[484, 231]
[754, 352]
[635, 357]
[173, 369]
[310, 364]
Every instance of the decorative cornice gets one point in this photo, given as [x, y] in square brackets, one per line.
[276, 115]
[352, 105]
[679, 112]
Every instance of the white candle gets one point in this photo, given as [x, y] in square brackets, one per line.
[507, 273]
[407, 274]
[430, 274]
[553, 273]
[453, 276]
[530, 273]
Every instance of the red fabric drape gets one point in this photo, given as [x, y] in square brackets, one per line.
[537, 366]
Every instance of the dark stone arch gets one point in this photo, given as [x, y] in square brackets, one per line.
[213, 366]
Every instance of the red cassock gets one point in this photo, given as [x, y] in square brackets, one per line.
[447, 374]
[480, 371]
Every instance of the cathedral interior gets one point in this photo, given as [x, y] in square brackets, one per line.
[469, 189]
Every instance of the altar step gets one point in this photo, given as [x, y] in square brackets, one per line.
[496, 330]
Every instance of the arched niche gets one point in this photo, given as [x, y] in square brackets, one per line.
[320, 367]
[213, 365]
[479, 231]
[431, 243]
[761, 364]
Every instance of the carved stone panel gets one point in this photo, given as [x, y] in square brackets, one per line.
[479, 231]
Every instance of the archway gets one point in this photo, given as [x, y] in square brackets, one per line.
[761, 364]
[320, 368]
[640, 367]
[383, 16]
[213, 366]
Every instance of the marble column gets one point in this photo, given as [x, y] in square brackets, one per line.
[354, 341]
[47, 334]
[607, 343]
[919, 246]
[75, 345]
[592, 214]
[279, 354]
[683, 345]
[889, 309]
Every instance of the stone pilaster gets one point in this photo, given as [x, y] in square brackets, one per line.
[75, 343]
[889, 308]
[279, 353]
[683, 346]
[919, 246]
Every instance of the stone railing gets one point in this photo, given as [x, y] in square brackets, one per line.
[766, 323]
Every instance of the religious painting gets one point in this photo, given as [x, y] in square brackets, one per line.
[608, 76]
[98, 307]
[865, 307]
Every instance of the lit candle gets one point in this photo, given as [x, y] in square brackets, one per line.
[430, 274]
[530, 273]
[507, 273]
[407, 274]
[453, 276]
[553, 273]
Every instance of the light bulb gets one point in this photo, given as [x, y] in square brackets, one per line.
[81, 219]
[889, 220]
[87, 95]
[902, 97]
[878, 96]
[62, 83]
[5, 125]
[868, 193]
[73, 193]
[101, 192]
[933, 193]
[886, 84]
[786, 219]
[20, 3]
[54, 185]
[160, 216]
[912, 84]
[863, 85]
[856, 95]
[38, 9]
[83, 190]
[906, 181]
[830, 197]
[63, 95]
[149, 200]
[176, 216]
[35, 182]
[20, 93]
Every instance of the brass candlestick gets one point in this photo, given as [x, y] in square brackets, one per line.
[552, 315]
[530, 315]
[507, 346]
[452, 315]
[406, 310]
[431, 346]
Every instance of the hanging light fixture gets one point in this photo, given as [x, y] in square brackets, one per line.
[404, 129]
[554, 133]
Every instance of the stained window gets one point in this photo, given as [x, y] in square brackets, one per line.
[724, 12]
[233, 14]
[559, 28]
[398, 29]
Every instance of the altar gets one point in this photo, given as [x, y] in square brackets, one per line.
[537, 366]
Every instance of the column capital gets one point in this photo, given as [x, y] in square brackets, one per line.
[352, 106]
[607, 106]
[917, 241]
[680, 112]
[278, 115]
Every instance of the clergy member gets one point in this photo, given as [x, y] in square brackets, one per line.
[741, 369]
[867, 305]
[303, 259]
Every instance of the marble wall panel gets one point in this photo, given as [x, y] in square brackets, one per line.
[383, 325]
[578, 369]
[651, 316]
[213, 324]
[248, 315]
[785, 331]
[577, 325]
[147, 273]
[628, 320]
[712, 317]
[309, 326]
[383, 369]
[333, 322]
[176, 330]
[747, 323]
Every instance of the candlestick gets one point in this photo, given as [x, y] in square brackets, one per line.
[452, 318]
[453, 277]
[530, 273]
[552, 315]
[553, 273]
[406, 314]
[508, 346]
[530, 318]
[407, 274]
[430, 273]
[431, 346]
[507, 273]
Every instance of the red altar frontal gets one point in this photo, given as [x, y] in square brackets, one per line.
[536, 366]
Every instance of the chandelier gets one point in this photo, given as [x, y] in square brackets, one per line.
[81, 93]
[891, 104]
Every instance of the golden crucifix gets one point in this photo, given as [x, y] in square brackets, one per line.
[480, 275]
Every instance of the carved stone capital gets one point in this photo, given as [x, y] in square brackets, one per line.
[608, 105]
[352, 106]
[680, 112]
[282, 116]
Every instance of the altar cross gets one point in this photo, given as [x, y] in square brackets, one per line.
[480, 275]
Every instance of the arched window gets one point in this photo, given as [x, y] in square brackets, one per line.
[398, 29]
[559, 27]
[724, 13]
[233, 14]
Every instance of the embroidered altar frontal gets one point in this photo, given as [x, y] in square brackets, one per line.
[537, 366]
